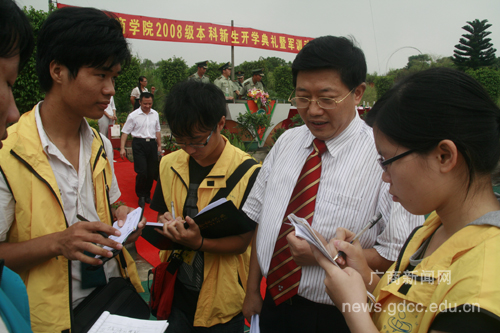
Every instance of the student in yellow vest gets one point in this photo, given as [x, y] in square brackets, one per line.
[16, 45]
[54, 166]
[209, 291]
[438, 136]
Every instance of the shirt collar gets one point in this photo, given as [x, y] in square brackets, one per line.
[86, 132]
[351, 130]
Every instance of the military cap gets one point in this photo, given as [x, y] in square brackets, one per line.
[202, 64]
[225, 66]
[258, 72]
[239, 73]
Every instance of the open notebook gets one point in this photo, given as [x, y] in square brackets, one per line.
[109, 323]
[303, 230]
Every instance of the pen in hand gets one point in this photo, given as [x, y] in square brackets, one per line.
[370, 225]
[186, 226]
[81, 218]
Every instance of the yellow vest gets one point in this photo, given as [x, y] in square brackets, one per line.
[464, 270]
[221, 296]
[39, 211]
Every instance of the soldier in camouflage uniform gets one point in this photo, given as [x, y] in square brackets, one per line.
[224, 83]
[200, 74]
[253, 82]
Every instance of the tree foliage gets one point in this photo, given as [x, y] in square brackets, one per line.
[383, 84]
[283, 85]
[474, 50]
[172, 71]
[27, 91]
[126, 81]
[489, 78]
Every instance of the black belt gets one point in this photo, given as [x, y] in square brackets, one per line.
[142, 139]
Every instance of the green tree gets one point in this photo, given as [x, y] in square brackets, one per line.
[474, 50]
[27, 91]
[489, 78]
[172, 71]
[383, 84]
[125, 82]
[283, 84]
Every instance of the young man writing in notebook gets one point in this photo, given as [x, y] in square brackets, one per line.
[211, 281]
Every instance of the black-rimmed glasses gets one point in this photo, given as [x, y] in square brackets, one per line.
[384, 163]
[326, 103]
[194, 145]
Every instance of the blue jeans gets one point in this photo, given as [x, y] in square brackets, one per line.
[180, 323]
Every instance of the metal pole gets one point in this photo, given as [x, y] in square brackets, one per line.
[232, 53]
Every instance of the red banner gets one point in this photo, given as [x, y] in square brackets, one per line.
[151, 28]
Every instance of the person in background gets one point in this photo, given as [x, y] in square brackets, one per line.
[55, 166]
[253, 82]
[108, 118]
[144, 126]
[438, 136]
[16, 45]
[209, 291]
[135, 95]
[224, 83]
[200, 73]
[325, 171]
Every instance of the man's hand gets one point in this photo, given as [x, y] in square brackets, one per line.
[176, 231]
[73, 241]
[121, 216]
[301, 251]
[252, 304]
[123, 153]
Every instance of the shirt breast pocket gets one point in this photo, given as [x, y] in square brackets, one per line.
[340, 204]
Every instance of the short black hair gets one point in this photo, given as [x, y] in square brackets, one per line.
[16, 33]
[146, 94]
[438, 104]
[194, 106]
[330, 52]
[77, 37]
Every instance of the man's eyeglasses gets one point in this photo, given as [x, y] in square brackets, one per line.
[384, 163]
[326, 103]
[194, 145]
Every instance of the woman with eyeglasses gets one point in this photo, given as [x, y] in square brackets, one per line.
[437, 133]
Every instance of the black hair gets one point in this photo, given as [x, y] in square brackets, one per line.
[16, 33]
[439, 104]
[139, 83]
[194, 106]
[146, 94]
[77, 37]
[330, 52]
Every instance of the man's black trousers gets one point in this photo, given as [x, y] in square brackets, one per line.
[145, 165]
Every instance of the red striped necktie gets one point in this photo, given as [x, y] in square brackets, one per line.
[284, 274]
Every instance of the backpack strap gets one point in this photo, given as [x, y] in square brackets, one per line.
[235, 177]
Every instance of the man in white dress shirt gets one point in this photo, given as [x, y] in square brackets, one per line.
[144, 126]
[328, 74]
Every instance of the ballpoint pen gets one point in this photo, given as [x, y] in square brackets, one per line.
[81, 218]
[370, 225]
[173, 210]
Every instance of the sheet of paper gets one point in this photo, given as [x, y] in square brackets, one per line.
[130, 225]
[254, 324]
[108, 323]
[212, 205]
[303, 230]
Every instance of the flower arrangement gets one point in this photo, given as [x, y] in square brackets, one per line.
[260, 97]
